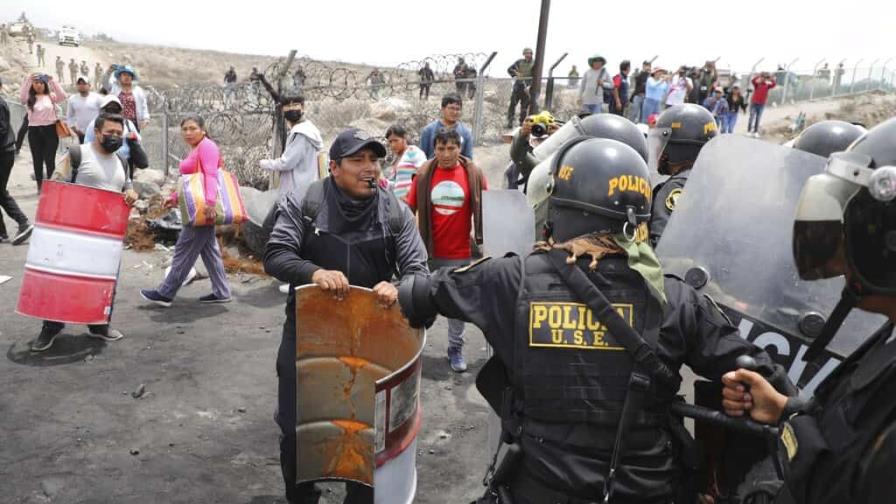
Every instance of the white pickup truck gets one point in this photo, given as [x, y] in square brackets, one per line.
[68, 35]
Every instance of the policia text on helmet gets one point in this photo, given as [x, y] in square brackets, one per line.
[673, 145]
[845, 225]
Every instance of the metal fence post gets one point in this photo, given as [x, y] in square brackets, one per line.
[870, 71]
[787, 80]
[883, 75]
[549, 89]
[478, 106]
[852, 85]
[838, 78]
[814, 74]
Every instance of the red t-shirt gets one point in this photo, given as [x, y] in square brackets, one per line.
[761, 89]
[452, 214]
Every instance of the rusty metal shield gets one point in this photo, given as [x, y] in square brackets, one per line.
[358, 382]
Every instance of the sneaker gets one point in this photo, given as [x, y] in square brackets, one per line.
[211, 298]
[44, 340]
[456, 360]
[23, 234]
[106, 334]
[154, 296]
[284, 288]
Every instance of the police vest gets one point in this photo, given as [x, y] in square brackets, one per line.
[567, 367]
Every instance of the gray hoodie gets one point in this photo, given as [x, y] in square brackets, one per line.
[298, 166]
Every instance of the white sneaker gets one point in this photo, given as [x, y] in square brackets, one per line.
[190, 276]
[284, 288]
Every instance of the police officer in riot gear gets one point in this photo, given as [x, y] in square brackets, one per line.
[680, 133]
[839, 446]
[589, 338]
[827, 137]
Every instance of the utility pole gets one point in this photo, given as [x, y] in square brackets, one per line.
[535, 88]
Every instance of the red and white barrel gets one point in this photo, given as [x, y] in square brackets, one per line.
[74, 254]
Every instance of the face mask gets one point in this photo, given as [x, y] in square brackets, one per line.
[293, 116]
[111, 143]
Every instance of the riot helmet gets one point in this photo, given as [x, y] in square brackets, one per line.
[679, 134]
[846, 217]
[826, 137]
[617, 128]
[597, 186]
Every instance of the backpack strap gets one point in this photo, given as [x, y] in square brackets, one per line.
[312, 201]
[393, 210]
[74, 160]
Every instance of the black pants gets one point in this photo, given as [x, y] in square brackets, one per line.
[520, 95]
[424, 90]
[43, 142]
[7, 159]
[20, 136]
[305, 493]
[57, 327]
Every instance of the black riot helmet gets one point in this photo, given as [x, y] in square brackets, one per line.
[827, 137]
[846, 217]
[679, 134]
[598, 186]
[616, 128]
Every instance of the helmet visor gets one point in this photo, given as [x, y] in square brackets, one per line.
[818, 232]
[657, 140]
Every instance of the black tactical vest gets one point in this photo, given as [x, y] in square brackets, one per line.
[665, 198]
[567, 367]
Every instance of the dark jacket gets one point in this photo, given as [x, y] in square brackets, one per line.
[7, 133]
[424, 201]
[297, 247]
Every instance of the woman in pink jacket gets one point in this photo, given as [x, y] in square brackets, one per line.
[196, 240]
[40, 94]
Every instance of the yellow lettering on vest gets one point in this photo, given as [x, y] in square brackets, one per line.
[578, 338]
[568, 321]
[555, 317]
[539, 315]
[599, 339]
[557, 336]
[581, 325]
[614, 183]
[593, 325]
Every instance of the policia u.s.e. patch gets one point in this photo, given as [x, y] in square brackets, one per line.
[572, 325]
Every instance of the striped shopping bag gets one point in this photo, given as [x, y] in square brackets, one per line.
[229, 206]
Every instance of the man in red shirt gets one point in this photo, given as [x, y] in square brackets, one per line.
[762, 84]
[447, 197]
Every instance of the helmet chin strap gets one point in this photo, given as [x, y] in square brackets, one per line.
[848, 300]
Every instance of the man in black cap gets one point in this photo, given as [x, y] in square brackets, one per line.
[345, 219]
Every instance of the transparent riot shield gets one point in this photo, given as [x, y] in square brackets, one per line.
[731, 237]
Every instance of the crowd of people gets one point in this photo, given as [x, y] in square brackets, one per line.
[384, 217]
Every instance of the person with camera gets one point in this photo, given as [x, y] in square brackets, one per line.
[762, 84]
[535, 129]
[679, 87]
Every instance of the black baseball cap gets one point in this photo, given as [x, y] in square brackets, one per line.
[353, 140]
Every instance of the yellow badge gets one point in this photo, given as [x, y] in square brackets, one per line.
[788, 438]
[672, 199]
[572, 326]
[565, 172]
[472, 265]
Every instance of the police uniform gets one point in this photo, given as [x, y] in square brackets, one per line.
[570, 375]
[665, 197]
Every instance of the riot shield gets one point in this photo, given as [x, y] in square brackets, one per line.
[357, 396]
[731, 237]
[508, 223]
[74, 253]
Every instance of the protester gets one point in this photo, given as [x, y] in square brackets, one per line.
[637, 100]
[426, 78]
[460, 72]
[205, 158]
[656, 88]
[407, 159]
[101, 168]
[298, 165]
[7, 160]
[736, 105]
[620, 89]
[60, 69]
[82, 109]
[452, 106]
[679, 87]
[762, 84]
[573, 77]
[131, 95]
[41, 56]
[73, 71]
[717, 105]
[707, 80]
[229, 85]
[595, 83]
[40, 94]
[447, 198]
[98, 77]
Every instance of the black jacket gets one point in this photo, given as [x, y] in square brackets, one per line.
[7, 133]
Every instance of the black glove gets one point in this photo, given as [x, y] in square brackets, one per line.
[415, 301]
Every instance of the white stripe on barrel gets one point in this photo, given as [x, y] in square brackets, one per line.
[73, 253]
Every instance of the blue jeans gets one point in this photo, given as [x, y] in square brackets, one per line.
[593, 108]
[455, 326]
[634, 112]
[650, 107]
[755, 116]
[728, 122]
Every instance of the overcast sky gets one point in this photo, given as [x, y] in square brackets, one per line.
[391, 32]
